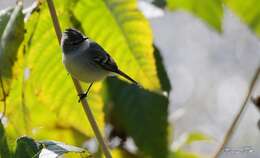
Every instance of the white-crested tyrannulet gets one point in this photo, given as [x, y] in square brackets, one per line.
[86, 60]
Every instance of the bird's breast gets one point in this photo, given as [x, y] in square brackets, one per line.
[82, 68]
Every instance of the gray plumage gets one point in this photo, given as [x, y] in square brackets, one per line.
[86, 60]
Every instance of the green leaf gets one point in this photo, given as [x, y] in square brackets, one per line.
[4, 149]
[4, 16]
[159, 3]
[140, 114]
[162, 73]
[26, 147]
[12, 34]
[211, 11]
[183, 154]
[123, 31]
[248, 11]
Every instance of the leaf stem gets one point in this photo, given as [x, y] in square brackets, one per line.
[78, 87]
[234, 124]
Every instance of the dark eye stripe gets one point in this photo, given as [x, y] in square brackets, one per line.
[79, 41]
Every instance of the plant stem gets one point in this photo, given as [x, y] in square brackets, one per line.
[233, 125]
[79, 89]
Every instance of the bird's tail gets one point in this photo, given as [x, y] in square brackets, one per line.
[126, 76]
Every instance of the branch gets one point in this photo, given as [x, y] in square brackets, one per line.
[233, 125]
[78, 87]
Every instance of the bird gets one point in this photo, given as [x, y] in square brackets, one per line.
[86, 60]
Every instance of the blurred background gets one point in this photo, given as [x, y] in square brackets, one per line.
[210, 73]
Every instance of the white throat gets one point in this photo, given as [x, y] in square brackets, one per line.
[85, 44]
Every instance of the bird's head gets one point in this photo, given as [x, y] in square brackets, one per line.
[71, 39]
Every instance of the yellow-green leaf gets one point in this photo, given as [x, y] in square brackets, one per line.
[196, 136]
[248, 11]
[183, 154]
[120, 153]
[124, 33]
[50, 97]
[211, 11]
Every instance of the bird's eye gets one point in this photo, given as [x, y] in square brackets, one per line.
[74, 43]
[77, 42]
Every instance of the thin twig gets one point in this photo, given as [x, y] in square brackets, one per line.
[233, 125]
[4, 98]
[79, 89]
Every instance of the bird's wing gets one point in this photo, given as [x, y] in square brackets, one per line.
[101, 57]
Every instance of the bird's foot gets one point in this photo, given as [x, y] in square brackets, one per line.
[82, 96]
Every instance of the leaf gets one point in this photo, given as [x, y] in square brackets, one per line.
[162, 73]
[19, 122]
[46, 98]
[32, 14]
[183, 154]
[123, 31]
[120, 153]
[26, 147]
[189, 138]
[248, 11]
[17, 112]
[4, 149]
[196, 136]
[11, 31]
[139, 113]
[211, 11]
[55, 149]
[4, 16]
[49, 87]
[159, 3]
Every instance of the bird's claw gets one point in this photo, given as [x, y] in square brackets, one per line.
[82, 96]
